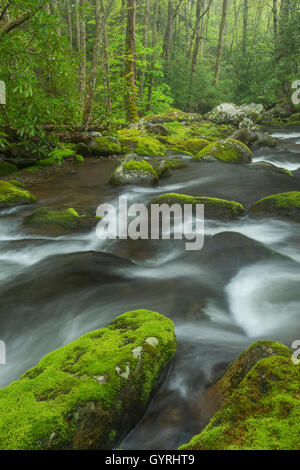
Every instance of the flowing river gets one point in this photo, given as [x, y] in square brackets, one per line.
[242, 286]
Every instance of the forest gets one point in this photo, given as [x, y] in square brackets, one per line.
[149, 227]
[92, 62]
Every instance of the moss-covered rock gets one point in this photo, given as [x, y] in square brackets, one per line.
[165, 167]
[51, 220]
[193, 145]
[100, 146]
[7, 168]
[294, 118]
[134, 172]
[133, 140]
[282, 205]
[11, 195]
[228, 151]
[261, 406]
[173, 115]
[214, 207]
[91, 393]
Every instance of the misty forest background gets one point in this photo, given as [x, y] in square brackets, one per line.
[94, 62]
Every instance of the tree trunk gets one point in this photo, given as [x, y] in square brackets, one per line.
[92, 81]
[151, 79]
[130, 68]
[77, 25]
[168, 38]
[245, 21]
[275, 19]
[145, 43]
[83, 53]
[70, 27]
[107, 71]
[220, 43]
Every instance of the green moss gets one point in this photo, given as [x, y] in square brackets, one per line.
[165, 167]
[79, 158]
[228, 151]
[31, 169]
[137, 165]
[16, 183]
[106, 146]
[67, 218]
[42, 409]
[214, 207]
[7, 168]
[193, 145]
[140, 143]
[262, 413]
[282, 201]
[12, 195]
[174, 115]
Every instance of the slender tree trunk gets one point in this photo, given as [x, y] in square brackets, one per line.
[83, 53]
[70, 26]
[107, 71]
[168, 38]
[275, 19]
[151, 78]
[245, 21]
[146, 43]
[220, 43]
[77, 25]
[92, 80]
[196, 48]
[130, 68]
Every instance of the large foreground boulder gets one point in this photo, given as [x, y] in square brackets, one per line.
[91, 393]
[12, 195]
[260, 403]
[228, 151]
[280, 205]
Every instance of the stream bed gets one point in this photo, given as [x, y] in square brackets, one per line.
[244, 285]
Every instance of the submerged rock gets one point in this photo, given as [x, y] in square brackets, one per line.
[259, 403]
[214, 207]
[228, 150]
[92, 392]
[52, 220]
[134, 172]
[11, 195]
[282, 205]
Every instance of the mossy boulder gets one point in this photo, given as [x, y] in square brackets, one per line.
[193, 145]
[294, 118]
[165, 167]
[92, 392]
[7, 168]
[133, 140]
[228, 151]
[173, 115]
[57, 221]
[214, 207]
[261, 405]
[281, 205]
[11, 195]
[134, 172]
[100, 146]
